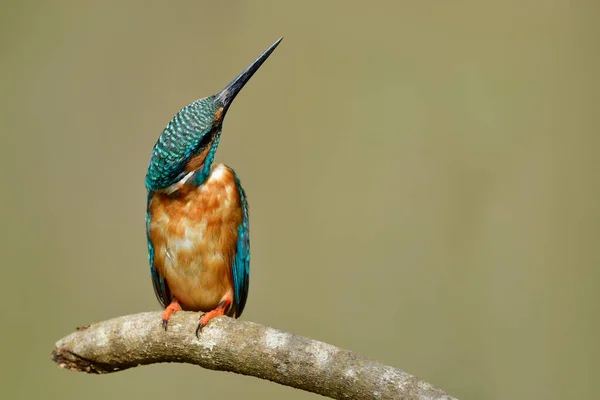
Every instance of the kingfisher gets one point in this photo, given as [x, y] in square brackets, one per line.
[197, 212]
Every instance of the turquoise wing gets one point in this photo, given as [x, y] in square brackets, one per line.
[241, 261]
[161, 289]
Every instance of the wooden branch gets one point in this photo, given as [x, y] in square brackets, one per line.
[237, 346]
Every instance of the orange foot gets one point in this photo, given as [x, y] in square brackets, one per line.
[220, 310]
[170, 310]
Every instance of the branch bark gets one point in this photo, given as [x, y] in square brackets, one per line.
[238, 346]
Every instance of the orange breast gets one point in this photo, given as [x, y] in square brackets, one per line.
[194, 234]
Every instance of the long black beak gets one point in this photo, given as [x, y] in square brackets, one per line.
[227, 95]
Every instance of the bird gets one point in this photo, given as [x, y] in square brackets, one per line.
[197, 213]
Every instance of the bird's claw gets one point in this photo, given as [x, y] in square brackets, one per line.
[199, 328]
[207, 316]
[170, 310]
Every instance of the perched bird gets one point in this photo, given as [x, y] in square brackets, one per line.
[197, 213]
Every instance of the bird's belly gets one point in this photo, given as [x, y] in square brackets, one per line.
[198, 281]
[194, 237]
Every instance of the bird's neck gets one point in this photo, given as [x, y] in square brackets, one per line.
[197, 168]
[200, 176]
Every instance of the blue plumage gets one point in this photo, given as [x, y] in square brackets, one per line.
[241, 262]
[190, 130]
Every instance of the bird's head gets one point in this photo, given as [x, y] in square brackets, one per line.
[185, 150]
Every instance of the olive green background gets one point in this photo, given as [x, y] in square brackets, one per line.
[422, 177]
